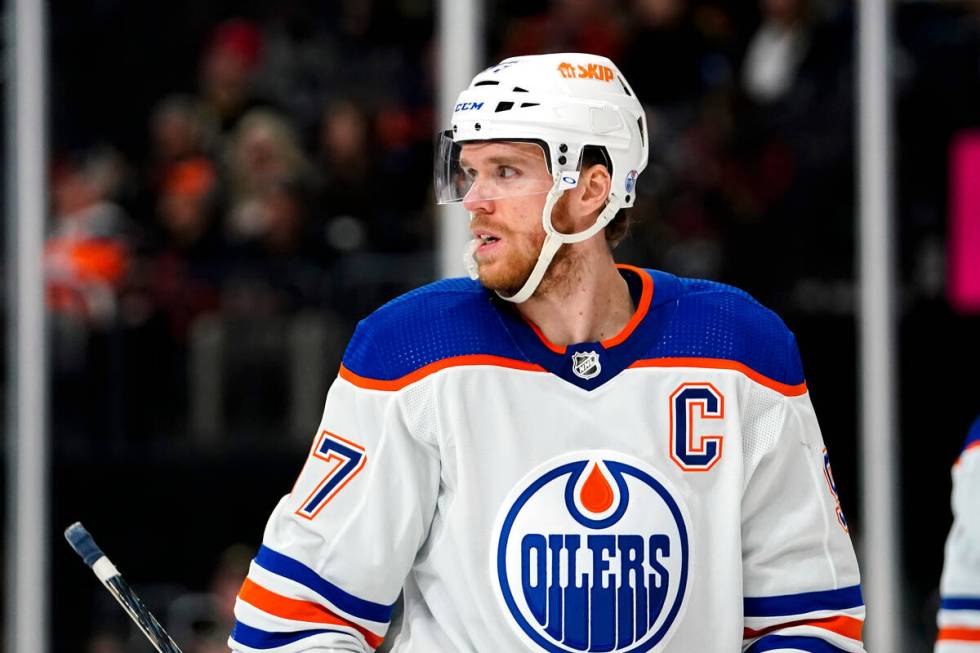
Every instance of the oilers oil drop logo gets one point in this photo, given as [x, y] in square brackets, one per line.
[592, 553]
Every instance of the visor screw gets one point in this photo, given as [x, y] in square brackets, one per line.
[562, 148]
[627, 198]
[476, 126]
[562, 160]
[455, 128]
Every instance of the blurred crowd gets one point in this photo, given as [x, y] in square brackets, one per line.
[289, 173]
[290, 177]
[272, 169]
[286, 169]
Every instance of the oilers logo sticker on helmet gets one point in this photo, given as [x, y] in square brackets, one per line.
[631, 180]
[591, 552]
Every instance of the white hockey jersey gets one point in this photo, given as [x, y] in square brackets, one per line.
[959, 611]
[666, 489]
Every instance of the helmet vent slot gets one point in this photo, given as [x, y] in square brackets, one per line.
[525, 105]
[488, 82]
[639, 123]
[503, 106]
[625, 87]
[518, 89]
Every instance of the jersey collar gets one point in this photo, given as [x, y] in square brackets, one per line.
[589, 365]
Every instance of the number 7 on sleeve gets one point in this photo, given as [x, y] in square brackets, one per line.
[344, 461]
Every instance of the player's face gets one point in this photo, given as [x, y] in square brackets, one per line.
[509, 228]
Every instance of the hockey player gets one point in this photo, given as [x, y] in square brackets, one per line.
[566, 455]
[959, 612]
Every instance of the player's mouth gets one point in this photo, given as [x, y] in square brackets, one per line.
[487, 241]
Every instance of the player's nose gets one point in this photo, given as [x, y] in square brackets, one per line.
[474, 203]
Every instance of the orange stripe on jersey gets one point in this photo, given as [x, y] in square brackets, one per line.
[725, 364]
[558, 349]
[646, 296]
[958, 634]
[846, 626]
[431, 368]
[297, 610]
[970, 447]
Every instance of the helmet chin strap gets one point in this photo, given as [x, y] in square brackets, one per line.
[554, 239]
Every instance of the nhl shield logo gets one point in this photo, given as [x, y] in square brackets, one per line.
[585, 364]
[591, 552]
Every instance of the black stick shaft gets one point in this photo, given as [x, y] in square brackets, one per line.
[141, 615]
[83, 544]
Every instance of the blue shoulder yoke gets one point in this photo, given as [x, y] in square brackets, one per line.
[706, 319]
[688, 318]
[448, 318]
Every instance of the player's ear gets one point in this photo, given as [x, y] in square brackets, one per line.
[594, 184]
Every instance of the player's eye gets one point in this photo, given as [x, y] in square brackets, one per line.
[507, 172]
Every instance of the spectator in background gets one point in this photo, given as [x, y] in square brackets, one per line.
[348, 167]
[182, 176]
[777, 49]
[231, 58]
[186, 198]
[262, 154]
[263, 150]
[88, 250]
[179, 130]
[273, 262]
[186, 266]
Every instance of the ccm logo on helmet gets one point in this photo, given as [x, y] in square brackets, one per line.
[468, 106]
[592, 554]
[592, 71]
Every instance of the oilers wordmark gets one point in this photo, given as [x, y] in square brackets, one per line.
[571, 581]
[592, 554]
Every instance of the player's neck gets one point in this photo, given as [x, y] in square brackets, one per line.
[586, 300]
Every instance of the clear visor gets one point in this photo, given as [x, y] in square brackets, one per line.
[488, 170]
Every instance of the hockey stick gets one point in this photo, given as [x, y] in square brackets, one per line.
[86, 547]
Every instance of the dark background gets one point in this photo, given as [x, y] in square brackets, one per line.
[159, 241]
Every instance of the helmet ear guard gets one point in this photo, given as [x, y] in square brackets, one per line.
[580, 108]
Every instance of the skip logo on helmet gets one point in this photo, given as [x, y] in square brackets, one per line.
[592, 553]
[594, 71]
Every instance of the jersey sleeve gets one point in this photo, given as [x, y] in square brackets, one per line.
[801, 586]
[337, 548]
[959, 609]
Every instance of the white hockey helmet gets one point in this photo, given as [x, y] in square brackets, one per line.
[565, 103]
